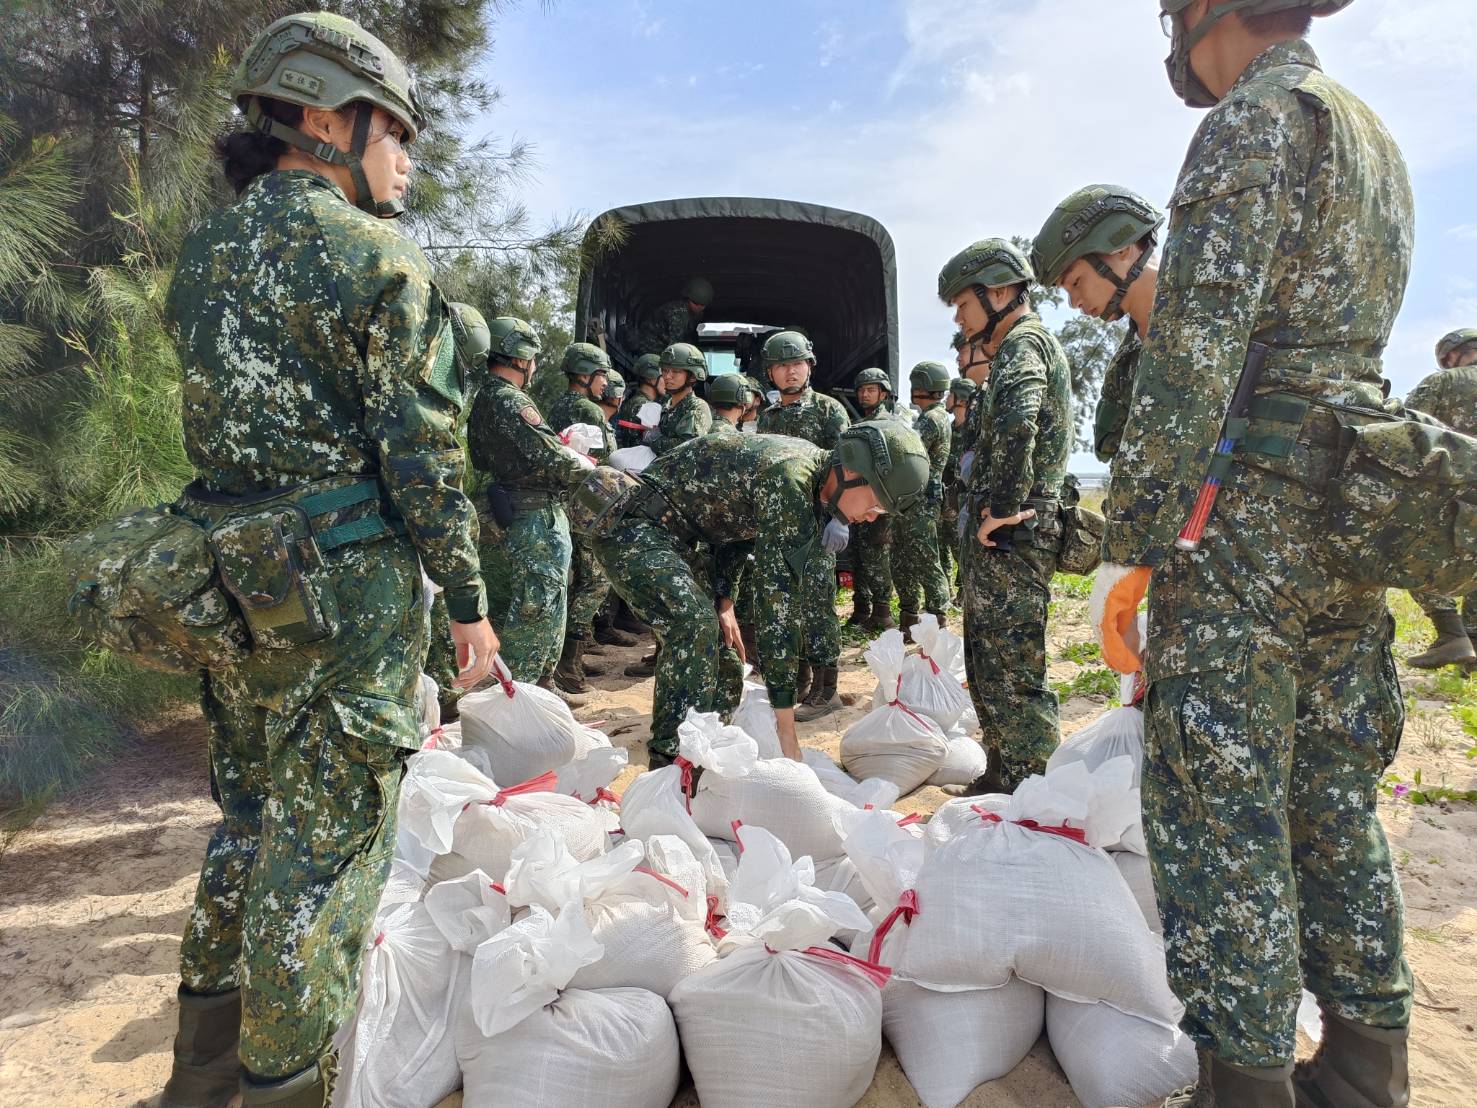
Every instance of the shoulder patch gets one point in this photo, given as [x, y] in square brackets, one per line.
[530, 416]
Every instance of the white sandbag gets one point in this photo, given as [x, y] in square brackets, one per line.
[526, 1039]
[404, 885]
[1135, 870]
[785, 798]
[1115, 1059]
[631, 459]
[398, 1050]
[648, 917]
[583, 437]
[965, 761]
[778, 1019]
[428, 697]
[1058, 912]
[1116, 733]
[950, 1043]
[588, 778]
[524, 730]
[926, 684]
[459, 814]
[755, 717]
[874, 792]
[728, 854]
[892, 741]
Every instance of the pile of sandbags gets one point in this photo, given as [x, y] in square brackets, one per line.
[780, 1017]
[893, 741]
[926, 681]
[514, 731]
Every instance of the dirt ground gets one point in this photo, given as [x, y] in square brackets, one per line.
[94, 896]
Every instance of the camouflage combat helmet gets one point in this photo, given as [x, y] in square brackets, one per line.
[987, 264]
[957, 342]
[322, 60]
[887, 455]
[1189, 87]
[729, 390]
[648, 367]
[930, 377]
[874, 377]
[473, 339]
[511, 338]
[962, 388]
[683, 355]
[699, 290]
[615, 388]
[754, 387]
[787, 346]
[1093, 221]
[584, 359]
[1454, 342]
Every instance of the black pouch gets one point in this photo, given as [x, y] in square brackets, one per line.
[269, 561]
[500, 505]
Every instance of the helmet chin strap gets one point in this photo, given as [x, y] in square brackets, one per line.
[833, 503]
[1114, 311]
[992, 317]
[352, 160]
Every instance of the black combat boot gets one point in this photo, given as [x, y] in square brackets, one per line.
[207, 1068]
[1223, 1085]
[569, 674]
[646, 667]
[1357, 1066]
[627, 620]
[607, 634]
[822, 699]
[906, 620]
[881, 619]
[1452, 646]
[312, 1088]
[861, 612]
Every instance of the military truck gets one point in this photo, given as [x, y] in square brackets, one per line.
[774, 264]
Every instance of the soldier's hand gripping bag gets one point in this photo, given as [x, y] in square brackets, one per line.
[1402, 508]
[270, 563]
[1082, 533]
[145, 586]
[597, 502]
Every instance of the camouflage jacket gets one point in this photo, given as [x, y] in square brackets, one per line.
[311, 337]
[670, 323]
[936, 429]
[730, 489]
[1115, 396]
[721, 426]
[630, 412]
[687, 419]
[572, 408]
[511, 443]
[1291, 224]
[1025, 430]
[815, 417]
[1451, 396]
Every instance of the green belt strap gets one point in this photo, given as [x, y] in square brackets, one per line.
[365, 528]
[358, 530]
[321, 503]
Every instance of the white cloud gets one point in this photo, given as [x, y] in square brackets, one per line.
[1464, 232]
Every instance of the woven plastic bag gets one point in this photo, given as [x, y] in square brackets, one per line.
[523, 730]
[755, 717]
[927, 683]
[892, 741]
[631, 459]
[874, 792]
[1140, 879]
[528, 1039]
[780, 1019]
[588, 778]
[1112, 1058]
[965, 761]
[1117, 733]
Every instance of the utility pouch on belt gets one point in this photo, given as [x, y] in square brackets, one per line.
[145, 586]
[600, 501]
[500, 505]
[1082, 533]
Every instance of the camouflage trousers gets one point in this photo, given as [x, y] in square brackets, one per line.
[915, 561]
[1005, 601]
[1433, 603]
[1273, 709]
[441, 654]
[307, 794]
[944, 532]
[820, 630]
[588, 589]
[871, 548]
[666, 584]
[526, 568]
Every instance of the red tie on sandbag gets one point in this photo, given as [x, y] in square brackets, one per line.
[687, 789]
[897, 703]
[710, 925]
[665, 880]
[495, 887]
[907, 908]
[877, 975]
[543, 783]
[1076, 834]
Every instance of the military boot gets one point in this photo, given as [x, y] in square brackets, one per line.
[822, 699]
[1357, 1066]
[1224, 1085]
[569, 674]
[905, 621]
[1452, 646]
[207, 1068]
[881, 619]
[626, 620]
[1198, 1095]
[861, 612]
[646, 667]
[942, 617]
[312, 1088]
[574, 700]
[803, 677]
[607, 634]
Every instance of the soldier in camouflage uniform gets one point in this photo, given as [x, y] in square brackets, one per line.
[1450, 395]
[687, 415]
[803, 413]
[915, 534]
[723, 492]
[611, 399]
[872, 551]
[728, 396]
[1016, 465]
[961, 392]
[1273, 705]
[586, 368]
[647, 375]
[525, 534]
[676, 320]
[333, 400]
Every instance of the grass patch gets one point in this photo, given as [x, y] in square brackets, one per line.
[1096, 682]
[1083, 653]
[1071, 586]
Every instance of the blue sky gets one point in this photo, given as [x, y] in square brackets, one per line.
[950, 120]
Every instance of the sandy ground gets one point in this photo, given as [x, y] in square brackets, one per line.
[93, 899]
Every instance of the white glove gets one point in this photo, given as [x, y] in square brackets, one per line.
[650, 414]
[835, 537]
